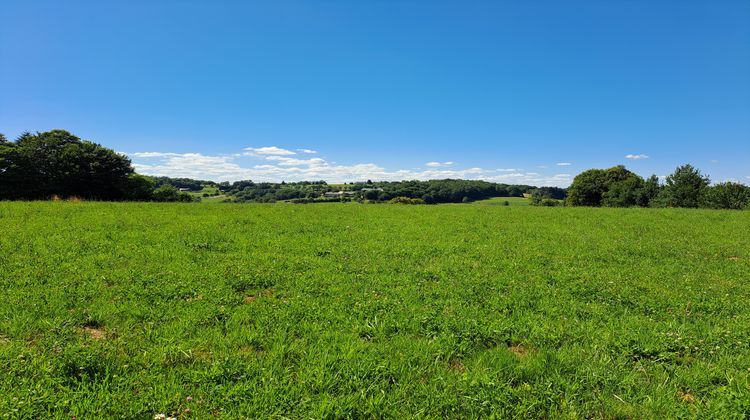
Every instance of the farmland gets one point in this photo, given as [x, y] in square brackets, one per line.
[349, 310]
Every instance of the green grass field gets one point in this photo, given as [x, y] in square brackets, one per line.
[347, 310]
[500, 201]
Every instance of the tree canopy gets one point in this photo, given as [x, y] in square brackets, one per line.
[684, 187]
[40, 165]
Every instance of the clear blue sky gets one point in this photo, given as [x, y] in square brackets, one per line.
[500, 90]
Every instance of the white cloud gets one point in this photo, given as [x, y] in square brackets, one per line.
[636, 157]
[563, 164]
[267, 150]
[277, 168]
[437, 164]
[153, 154]
[308, 151]
[287, 161]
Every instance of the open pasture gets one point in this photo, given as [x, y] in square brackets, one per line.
[347, 310]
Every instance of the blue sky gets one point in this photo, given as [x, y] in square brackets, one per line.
[512, 91]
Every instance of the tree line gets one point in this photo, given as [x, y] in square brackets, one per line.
[39, 166]
[685, 187]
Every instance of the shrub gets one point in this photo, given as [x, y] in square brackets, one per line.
[406, 200]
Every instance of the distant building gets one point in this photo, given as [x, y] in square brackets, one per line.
[184, 189]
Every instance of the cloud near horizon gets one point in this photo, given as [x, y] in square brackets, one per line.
[276, 165]
[267, 150]
[636, 157]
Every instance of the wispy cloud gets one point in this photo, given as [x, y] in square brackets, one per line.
[152, 154]
[267, 150]
[308, 151]
[276, 168]
[563, 164]
[287, 161]
[437, 164]
[636, 157]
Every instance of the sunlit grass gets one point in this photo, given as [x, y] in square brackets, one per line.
[348, 310]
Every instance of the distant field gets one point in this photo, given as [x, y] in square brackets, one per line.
[347, 310]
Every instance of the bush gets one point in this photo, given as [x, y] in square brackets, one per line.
[139, 188]
[406, 200]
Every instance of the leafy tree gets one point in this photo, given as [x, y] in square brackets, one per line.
[37, 166]
[166, 192]
[726, 195]
[588, 187]
[139, 187]
[649, 192]
[684, 187]
[625, 193]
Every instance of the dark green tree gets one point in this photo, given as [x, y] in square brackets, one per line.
[625, 193]
[37, 166]
[684, 187]
[166, 192]
[588, 187]
[650, 190]
[726, 195]
[139, 187]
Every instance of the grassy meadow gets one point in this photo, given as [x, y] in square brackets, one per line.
[500, 201]
[347, 310]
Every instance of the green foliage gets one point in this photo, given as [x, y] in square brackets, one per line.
[38, 166]
[547, 196]
[649, 192]
[191, 184]
[431, 192]
[726, 195]
[139, 188]
[587, 188]
[128, 310]
[625, 193]
[590, 187]
[168, 192]
[406, 200]
[614, 187]
[684, 187]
